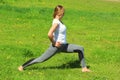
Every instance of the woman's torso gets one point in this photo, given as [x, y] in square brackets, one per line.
[60, 32]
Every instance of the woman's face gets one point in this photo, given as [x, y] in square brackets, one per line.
[61, 15]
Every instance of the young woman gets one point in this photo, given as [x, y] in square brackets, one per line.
[57, 36]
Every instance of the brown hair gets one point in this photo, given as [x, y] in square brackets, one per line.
[59, 10]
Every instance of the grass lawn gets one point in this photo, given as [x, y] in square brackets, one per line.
[94, 24]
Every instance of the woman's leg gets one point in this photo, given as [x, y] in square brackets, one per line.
[70, 48]
[80, 50]
[45, 56]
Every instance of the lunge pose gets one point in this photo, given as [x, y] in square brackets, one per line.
[57, 36]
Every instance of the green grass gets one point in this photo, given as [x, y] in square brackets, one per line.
[94, 24]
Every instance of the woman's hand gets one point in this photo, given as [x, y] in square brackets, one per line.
[57, 44]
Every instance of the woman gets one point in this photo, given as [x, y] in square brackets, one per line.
[57, 36]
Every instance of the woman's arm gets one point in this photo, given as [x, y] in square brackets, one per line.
[50, 33]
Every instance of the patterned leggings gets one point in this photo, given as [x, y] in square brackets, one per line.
[52, 50]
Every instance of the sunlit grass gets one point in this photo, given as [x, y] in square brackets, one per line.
[23, 35]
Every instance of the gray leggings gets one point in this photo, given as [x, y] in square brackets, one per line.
[52, 50]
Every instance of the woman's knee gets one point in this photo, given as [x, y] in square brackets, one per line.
[81, 48]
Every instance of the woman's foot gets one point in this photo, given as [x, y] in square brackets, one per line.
[85, 69]
[20, 68]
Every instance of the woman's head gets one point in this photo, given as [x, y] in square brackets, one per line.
[58, 11]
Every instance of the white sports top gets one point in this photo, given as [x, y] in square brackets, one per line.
[60, 32]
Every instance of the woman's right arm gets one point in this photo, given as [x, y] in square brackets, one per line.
[51, 31]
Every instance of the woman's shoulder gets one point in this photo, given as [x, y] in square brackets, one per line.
[56, 21]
